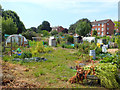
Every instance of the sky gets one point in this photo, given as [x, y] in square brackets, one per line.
[61, 12]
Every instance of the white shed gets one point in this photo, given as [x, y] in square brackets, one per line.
[52, 41]
[89, 39]
[19, 39]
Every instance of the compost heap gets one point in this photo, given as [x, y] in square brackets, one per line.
[107, 73]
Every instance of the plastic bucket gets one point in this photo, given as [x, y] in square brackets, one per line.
[92, 53]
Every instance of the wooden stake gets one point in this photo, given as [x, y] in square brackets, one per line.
[11, 46]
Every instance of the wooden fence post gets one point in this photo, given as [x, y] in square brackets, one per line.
[11, 46]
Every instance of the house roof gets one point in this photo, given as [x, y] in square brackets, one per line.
[101, 21]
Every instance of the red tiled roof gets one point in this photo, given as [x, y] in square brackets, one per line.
[101, 21]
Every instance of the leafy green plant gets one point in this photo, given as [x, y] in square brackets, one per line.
[107, 73]
[45, 43]
[84, 47]
[40, 48]
[98, 50]
[6, 58]
[26, 55]
[70, 39]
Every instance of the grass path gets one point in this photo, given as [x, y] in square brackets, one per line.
[55, 72]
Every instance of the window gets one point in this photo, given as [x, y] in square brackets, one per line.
[107, 23]
[93, 29]
[107, 32]
[98, 24]
[98, 33]
[107, 28]
[102, 24]
[98, 28]
[102, 33]
[102, 29]
[93, 25]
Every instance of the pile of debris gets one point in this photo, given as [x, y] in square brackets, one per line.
[10, 80]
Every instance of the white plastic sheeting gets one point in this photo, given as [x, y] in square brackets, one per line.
[89, 39]
[16, 38]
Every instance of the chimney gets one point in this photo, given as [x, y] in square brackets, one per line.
[95, 20]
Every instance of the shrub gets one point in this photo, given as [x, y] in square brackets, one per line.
[40, 48]
[58, 40]
[54, 32]
[70, 39]
[29, 34]
[26, 55]
[63, 45]
[45, 43]
[45, 33]
[84, 47]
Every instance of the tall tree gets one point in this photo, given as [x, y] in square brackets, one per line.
[65, 30]
[29, 34]
[33, 29]
[16, 19]
[83, 28]
[94, 33]
[54, 32]
[39, 28]
[8, 26]
[73, 27]
[44, 26]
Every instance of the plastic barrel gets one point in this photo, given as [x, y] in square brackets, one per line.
[92, 53]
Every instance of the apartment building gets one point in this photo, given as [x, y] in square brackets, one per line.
[103, 27]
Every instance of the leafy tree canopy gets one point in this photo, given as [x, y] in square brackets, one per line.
[33, 29]
[72, 28]
[8, 26]
[16, 19]
[65, 30]
[29, 34]
[45, 33]
[83, 28]
[54, 32]
[94, 33]
[44, 26]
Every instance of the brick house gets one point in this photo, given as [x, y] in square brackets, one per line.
[58, 28]
[103, 27]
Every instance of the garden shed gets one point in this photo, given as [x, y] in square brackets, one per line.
[19, 39]
[52, 41]
[89, 39]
